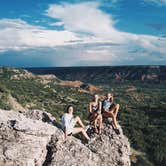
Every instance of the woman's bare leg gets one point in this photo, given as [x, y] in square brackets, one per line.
[94, 120]
[81, 130]
[116, 110]
[79, 121]
[95, 125]
[100, 121]
[111, 115]
[115, 122]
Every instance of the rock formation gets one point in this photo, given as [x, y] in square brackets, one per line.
[114, 73]
[33, 138]
[19, 75]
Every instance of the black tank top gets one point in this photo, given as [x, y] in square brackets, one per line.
[95, 108]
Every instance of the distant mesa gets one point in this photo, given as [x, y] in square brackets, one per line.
[106, 74]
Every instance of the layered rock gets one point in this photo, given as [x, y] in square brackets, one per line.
[22, 140]
[34, 138]
[114, 73]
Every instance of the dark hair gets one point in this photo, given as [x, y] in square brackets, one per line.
[67, 110]
[93, 97]
[111, 97]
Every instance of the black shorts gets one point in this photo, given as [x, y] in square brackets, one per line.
[70, 134]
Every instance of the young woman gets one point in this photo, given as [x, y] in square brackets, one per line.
[110, 109]
[95, 113]
[69, 122]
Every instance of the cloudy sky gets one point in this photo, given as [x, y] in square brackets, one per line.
[44, 33]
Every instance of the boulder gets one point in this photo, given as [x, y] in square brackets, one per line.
[34, 138]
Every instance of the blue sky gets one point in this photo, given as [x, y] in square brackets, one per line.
[82, 33]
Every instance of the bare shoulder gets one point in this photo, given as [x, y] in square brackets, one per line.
[100, 102]
[91, 103]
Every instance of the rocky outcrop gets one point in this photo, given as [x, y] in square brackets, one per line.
[21, 74]
[34, 138]
[48, 78]
[75, 84]
[82, 87]
[23, 141]
[90, 88]
[113, 149]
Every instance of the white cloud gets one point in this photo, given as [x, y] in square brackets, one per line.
[86, 39]
[17, 34]
[83, 17]
[88, 18]
[57, 23]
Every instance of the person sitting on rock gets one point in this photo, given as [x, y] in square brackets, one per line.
[95, 116]
[69, 122]
[110, 109]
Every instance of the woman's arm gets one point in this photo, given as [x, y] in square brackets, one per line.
[90, 107]
[112, 98]
[100, 105]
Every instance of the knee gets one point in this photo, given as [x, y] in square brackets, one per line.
[117, 106]
[77, 118]
[82, 129]
[100, 117]
[111, 114]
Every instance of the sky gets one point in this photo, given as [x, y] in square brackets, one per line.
[56, 33]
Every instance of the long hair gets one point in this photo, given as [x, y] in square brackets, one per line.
[67, 109]
[111, 97]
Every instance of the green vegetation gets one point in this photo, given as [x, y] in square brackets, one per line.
[143, 118]
[142, 112]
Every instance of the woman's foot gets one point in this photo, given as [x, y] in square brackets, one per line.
[96, 131]
[113, 126]
[99, 131]
[90, 140]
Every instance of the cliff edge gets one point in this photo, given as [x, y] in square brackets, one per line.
[34, 138]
